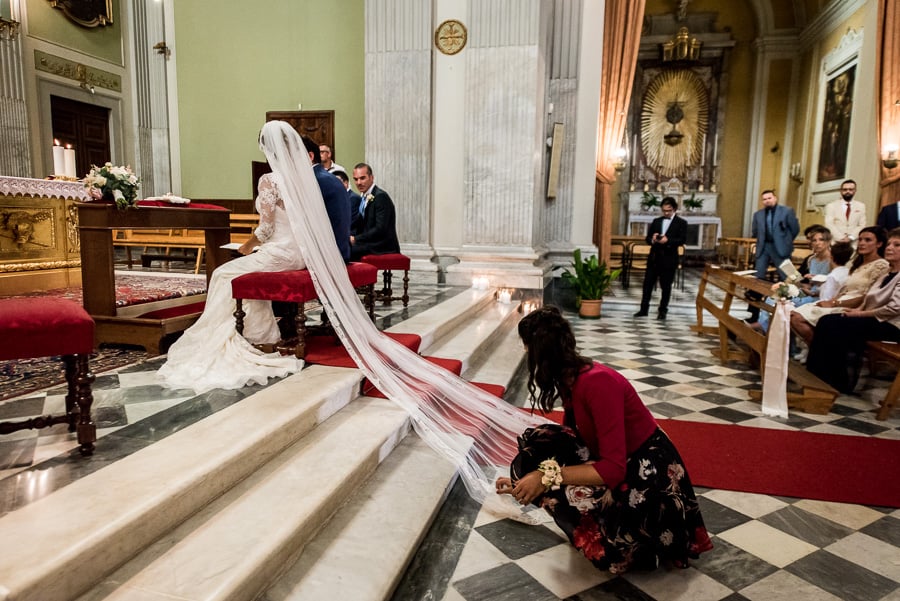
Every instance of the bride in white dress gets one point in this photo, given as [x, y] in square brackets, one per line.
[211, 354]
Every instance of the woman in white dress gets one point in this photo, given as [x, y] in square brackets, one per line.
[211, 354]
[867, 267]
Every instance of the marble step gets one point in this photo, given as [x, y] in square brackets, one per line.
[233, 548]
[68, 541]
[441, 320]
[475, 334]
[363, 551]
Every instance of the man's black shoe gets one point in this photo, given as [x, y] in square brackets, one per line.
[661, 317]
[641, 314]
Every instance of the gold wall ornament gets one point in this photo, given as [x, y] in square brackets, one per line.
[87, 13]
[9, 29]
[87, 77]
[682, 47]
[674, 122]
[450, 36]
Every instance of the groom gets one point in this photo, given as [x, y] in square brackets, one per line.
[665, 236]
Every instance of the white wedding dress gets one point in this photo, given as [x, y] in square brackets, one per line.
[211, 354]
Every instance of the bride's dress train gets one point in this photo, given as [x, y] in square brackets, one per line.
[211, 354]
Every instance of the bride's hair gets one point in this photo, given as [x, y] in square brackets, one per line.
[553, 361]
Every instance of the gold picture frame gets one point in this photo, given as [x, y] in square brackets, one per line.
[87, 13]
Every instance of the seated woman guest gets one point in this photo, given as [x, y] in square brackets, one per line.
[610, 477]
[839, 340]
[867, 267]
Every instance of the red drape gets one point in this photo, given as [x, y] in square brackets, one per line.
[888, 110]
[621, 40]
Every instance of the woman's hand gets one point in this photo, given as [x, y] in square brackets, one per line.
[248, 246]
[826, 304]
[526, 490]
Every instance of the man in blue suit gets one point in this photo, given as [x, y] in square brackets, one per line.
[889, 217]
[335, 196]
[774, 227]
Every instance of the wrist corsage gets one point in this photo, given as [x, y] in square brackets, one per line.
[551, 474]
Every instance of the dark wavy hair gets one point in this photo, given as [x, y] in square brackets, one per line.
[880, 237]
[553, 362]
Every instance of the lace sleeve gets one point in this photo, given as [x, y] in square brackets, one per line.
[266, 202]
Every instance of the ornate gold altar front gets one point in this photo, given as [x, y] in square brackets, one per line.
[39, 246]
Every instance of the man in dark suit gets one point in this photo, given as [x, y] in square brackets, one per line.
[665, 235]
[774, 227]
[335, 196]
[355, 199]
[889, 217]
[376, 228]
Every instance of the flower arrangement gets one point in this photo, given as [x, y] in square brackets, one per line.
[649, 201]
[693, 202]
[115, 182]
[785, 291]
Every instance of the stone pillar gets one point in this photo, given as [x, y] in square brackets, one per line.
[152, 120]
[15, 153]
[398, 116]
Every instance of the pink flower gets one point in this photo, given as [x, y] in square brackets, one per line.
[588, 539]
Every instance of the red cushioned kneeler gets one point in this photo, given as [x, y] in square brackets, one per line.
[387, 263]
[50, 327]
[296, 286]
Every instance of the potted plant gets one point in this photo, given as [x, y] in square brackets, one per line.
[649, 201]
[591, 280]
[693, 203]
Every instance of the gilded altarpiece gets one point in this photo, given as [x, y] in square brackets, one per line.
[39, 246]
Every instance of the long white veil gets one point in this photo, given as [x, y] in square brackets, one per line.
[468, 426]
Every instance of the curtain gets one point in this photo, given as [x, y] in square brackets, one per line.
[621, 40]
[888, 113]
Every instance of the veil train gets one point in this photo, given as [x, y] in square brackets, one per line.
[471, 428]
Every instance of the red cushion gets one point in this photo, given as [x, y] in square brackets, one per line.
[289, 286]
[293, 286]
[389, 261]
[361, 274]
[44, 327]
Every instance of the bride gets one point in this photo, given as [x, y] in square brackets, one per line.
[469, 427]
[211, 354]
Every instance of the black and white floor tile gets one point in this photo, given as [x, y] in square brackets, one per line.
[766, 548]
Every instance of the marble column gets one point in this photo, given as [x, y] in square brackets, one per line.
[399, 116]
[152, 146]
[15, 153]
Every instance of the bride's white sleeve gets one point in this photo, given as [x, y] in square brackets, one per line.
[266, 202]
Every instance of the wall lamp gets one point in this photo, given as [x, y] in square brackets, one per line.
[620, 159]
[889, 156]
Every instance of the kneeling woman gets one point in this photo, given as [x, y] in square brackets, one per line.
[610, 477]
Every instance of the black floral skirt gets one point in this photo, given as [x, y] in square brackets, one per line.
[650, 517]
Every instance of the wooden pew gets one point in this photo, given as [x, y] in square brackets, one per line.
[715, 295]
[886, 352]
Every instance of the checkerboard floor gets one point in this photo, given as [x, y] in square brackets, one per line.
[766, 548]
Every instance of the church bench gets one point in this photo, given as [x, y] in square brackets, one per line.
[50, 327]
[296, 287]
[887, 352]
[715, 295]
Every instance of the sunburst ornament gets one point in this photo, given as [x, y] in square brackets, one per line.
[674, 121]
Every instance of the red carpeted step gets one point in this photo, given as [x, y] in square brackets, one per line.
[327, 350]
[451, 365]
[494, 389]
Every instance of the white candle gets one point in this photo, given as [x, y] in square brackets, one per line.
[715, 150]
[703, 153]
[59, 165]
[69, 161]
[505, 296]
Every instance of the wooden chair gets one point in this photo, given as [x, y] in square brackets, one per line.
[638, 255]
[387, 264]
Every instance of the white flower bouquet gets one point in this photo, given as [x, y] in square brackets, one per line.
[113, 182]
[784, 291]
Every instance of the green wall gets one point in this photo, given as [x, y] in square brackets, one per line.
[240, 60]
[52, 25]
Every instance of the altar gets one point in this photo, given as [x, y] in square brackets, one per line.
[704, 225]
[703, 233]
[39, 245]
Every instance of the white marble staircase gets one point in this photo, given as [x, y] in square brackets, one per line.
[301, 491]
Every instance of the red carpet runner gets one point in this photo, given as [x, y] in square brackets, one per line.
[808, 465]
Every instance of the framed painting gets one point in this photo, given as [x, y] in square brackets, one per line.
[832, 155]
[87, 13]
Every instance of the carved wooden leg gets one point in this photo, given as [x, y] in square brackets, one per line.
[369, 301]
[300, 326]
[239, 316]
[72, 392]
[87, 431]
[387, 292]
[405, 297]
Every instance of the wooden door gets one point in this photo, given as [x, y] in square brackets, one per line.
[316, 125]
[84, 126]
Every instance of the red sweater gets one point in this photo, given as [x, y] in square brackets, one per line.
[611, 418]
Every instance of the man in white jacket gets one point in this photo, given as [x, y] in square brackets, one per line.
[845, 217]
